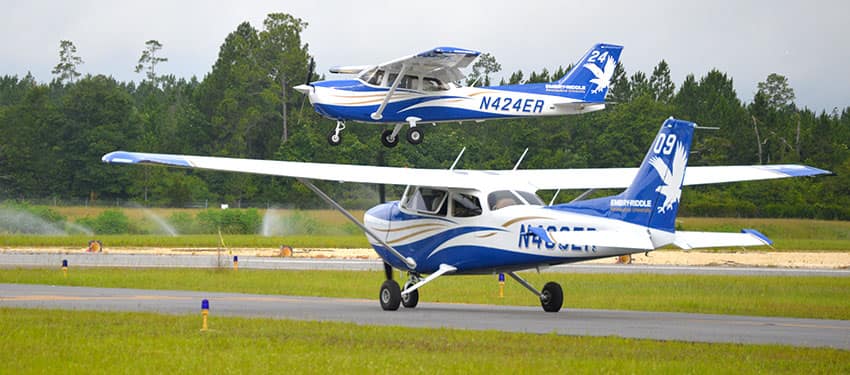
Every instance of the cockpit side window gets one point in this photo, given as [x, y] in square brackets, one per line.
[465, 205]
[501, 199]
[409, 82]
[433, 84]
[428, 200]
[531, 198]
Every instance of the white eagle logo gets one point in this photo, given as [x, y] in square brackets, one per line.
[672, 187]
[603, 77]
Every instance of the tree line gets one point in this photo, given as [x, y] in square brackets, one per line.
[54, 134]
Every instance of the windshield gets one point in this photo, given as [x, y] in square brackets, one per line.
[373, 76]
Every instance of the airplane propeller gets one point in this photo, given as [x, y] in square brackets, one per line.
[306, 87]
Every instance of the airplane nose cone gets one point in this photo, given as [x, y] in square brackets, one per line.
[304, 89]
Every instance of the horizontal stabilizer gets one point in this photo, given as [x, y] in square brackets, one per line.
[579, 107]
[351, 69]
[695, 240]
[604, 238]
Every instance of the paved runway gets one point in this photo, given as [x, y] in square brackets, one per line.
[653, 325]
[13, 259]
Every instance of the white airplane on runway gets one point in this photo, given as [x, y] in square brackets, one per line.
[455, 222]
[421, 89]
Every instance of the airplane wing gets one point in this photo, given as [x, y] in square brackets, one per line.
[443, 63]
[694, 240]
[528, 179]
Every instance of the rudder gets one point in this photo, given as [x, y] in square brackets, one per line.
[652, 199]
[590, 78]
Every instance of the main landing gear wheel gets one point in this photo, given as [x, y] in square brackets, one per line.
[552, 297]
[410, 300]
[414, 136]
[388, 140]
[390, 295]
[334, 138]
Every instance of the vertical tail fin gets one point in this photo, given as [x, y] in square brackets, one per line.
[590, 77]
[653, 197]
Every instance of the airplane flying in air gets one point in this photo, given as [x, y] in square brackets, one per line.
[423, 88]
[457, 222]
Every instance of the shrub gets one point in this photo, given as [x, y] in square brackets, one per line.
[108, 222]
[183, 223]
[230, 221]
[23, 218]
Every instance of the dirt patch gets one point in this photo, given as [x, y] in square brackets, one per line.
[834, 260]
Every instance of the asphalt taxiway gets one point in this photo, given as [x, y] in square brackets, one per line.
[631, 324]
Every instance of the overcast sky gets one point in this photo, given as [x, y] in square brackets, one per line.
[807, 41]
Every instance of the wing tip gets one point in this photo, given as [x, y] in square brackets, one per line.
[124, 157]
[759, 235]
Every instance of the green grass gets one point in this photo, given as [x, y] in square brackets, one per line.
[44, 341]
[201, 240]
[788, 234]
[802, 297]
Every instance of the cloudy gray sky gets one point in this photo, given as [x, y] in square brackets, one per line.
[807, 41]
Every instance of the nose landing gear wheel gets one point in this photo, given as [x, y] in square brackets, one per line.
[410, 300]
[334, 138]
[388, 140]
[414, 136]
[552, 297]
[390, 295]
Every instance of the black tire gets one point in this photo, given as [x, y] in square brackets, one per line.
[334, 139]
[414, 136]
[385, 139]
[390, 295]
[552, 297]
[411, 299]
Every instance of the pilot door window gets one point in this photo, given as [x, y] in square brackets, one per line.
[433, 84]
[464, 205]
[428, 201]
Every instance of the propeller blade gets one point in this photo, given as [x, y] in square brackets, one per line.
[310, 67]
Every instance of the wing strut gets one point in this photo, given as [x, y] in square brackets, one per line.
[444, 268]
[520, 159]
[409, 262]
[524, 283]
[377, 115]
[457, 159]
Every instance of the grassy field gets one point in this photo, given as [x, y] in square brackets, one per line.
[788, 234]
[802, 297]
[42, 341]
[326, 217]
[333, 230]
[195, 241]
